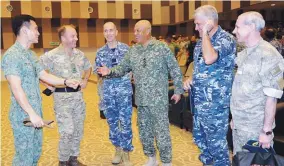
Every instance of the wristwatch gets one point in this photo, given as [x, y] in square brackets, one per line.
[267, 132]
[65, 82]
[208, 33]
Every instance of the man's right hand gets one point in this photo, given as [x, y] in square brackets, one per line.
[36, 120]
[187, 83]
[72, 83]
[103, 70]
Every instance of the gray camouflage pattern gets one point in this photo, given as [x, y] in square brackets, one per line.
[69, 107]
[255, 67]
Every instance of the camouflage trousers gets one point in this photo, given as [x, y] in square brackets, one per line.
[118, 112]
[70, 115]
[28, 144]
[209, 134]
[100, 93]
[153, 123]
[241, 137]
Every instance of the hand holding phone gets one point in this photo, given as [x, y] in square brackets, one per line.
[47, 92]
[209, 25]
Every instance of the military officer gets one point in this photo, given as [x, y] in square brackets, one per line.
[23, 72]
[212, 80]
[257, 84]
[66, 61]
[116, 95]
[150, 62]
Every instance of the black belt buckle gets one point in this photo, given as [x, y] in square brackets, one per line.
[78, 88]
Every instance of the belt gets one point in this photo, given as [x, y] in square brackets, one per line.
[67, 89]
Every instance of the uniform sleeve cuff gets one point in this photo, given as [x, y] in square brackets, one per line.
[271, 92]
[179, 91]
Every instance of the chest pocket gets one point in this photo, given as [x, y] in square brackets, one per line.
[61, 67]
[250, 68]
[28, 72]
[78, 64]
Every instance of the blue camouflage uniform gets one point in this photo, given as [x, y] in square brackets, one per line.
[212, 90]
[116, 97]
[23, 63]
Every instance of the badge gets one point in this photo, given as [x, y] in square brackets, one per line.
[275, 71]
[240, 72]
[73, 67]
[114, 62]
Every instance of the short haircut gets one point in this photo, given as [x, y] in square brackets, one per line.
[109, 22]
[207, 11]
[61, 30]
[19, 21]
[255, 18]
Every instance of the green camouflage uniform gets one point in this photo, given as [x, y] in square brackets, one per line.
[24, 64]
[150, 67]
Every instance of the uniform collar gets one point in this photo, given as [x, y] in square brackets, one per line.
[26, 52]
[20, 47]
[150, 44]
[60, 50]
[117, 46]
[213, 38]
[249, 50]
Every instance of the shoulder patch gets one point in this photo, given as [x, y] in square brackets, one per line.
[275, 71]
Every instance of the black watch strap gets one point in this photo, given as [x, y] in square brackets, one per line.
[267, 132]
[65, 82]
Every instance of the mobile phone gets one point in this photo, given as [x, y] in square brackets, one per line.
[50, 122]
[97, 71]
[78, 88]
[47, 92]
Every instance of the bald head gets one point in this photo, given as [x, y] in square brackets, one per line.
[144, 24]
[110, 25]
[142, 31]
[110, 32]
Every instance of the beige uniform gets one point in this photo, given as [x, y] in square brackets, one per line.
[259, 75]
[69, 106]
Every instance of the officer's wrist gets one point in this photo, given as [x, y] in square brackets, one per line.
[267, 131]
[205, 34]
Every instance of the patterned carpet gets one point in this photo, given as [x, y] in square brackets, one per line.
[96, 149]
